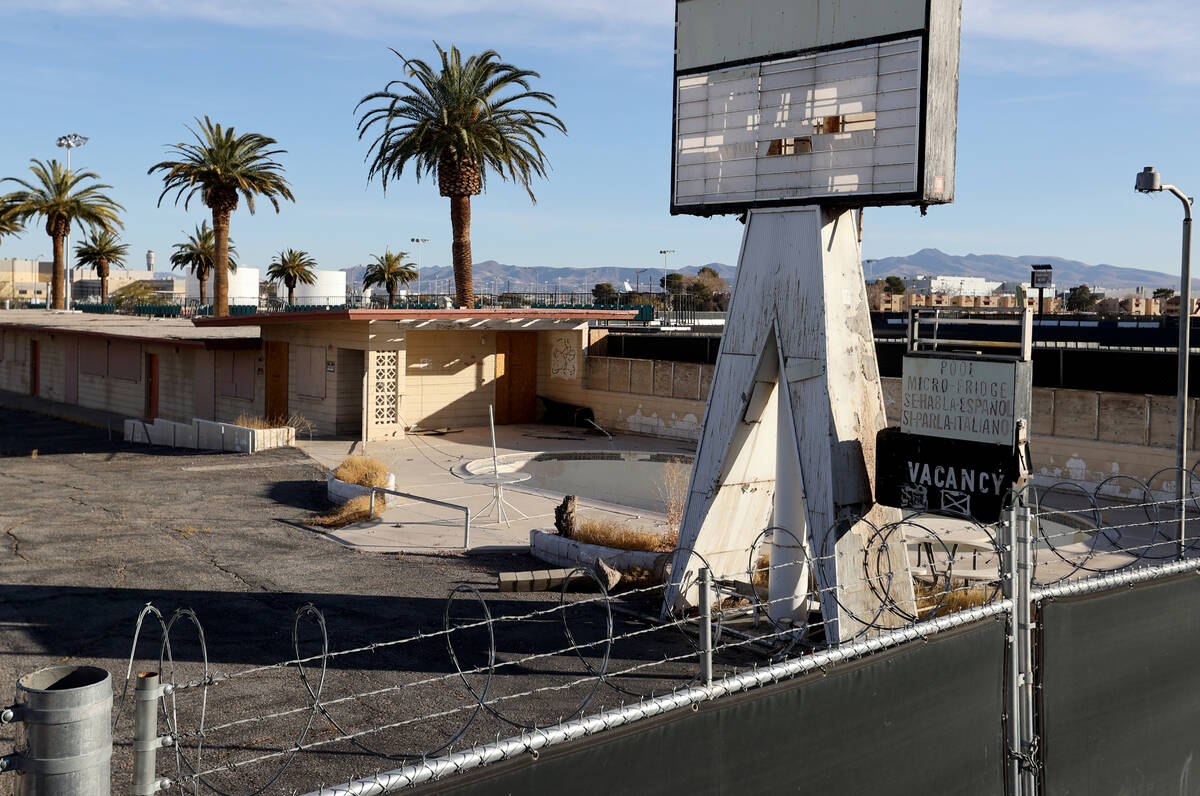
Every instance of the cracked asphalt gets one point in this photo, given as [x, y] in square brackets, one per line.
[95, 529]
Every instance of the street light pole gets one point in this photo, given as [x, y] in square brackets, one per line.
[419, 242]
[1149, 181]
[69, 142]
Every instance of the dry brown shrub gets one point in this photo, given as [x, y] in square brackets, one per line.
[673, 491]
[934, 600]
[609, 532]
[761, 576]
[354, 510]
[251, 421]
[362, 470]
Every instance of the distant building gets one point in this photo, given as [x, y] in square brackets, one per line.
[150, 260]
[953, 285]
[25, 280]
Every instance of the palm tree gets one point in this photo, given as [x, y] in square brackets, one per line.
[59, 198]
[9, 223]
[292, 267]
[221, 165]
[99, 251]
[198, 253]
[455, 126]
[389, 271]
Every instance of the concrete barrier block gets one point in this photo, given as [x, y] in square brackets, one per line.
[185, 435]
[208, 435]
[136, 431]
[162, 432]
[238, 439]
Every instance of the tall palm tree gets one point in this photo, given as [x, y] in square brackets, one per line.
[58, 196]
[99, 251]
[389, 271]
[198, 253]
[456, 124]
[292, 267]
[221, 165]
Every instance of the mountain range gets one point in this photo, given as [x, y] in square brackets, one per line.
[999, 268]
[540, 279]
[995, 267]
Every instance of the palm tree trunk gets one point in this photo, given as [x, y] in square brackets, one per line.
[391, 296]
[291, 295]
[202, 278]
[221, 263]
[59, 285]
[460, 223]
[104, 289]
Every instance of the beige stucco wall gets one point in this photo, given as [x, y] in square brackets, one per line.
[641, 396]
[321, 412]
[126, 397]
[449, 378]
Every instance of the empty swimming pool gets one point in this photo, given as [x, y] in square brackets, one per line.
[627, 478]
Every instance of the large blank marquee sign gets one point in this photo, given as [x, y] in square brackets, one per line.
[785, 102]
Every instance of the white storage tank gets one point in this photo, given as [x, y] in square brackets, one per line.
[329, 288]
[243, 286]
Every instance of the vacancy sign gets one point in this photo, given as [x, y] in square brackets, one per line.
[963, 399]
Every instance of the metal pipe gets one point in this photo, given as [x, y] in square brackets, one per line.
[706, 646]
[145, 734]
[464, 509]
[427, 770]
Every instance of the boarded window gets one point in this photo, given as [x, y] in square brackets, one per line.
[790, 146]
[237, 373]
[93, 356]
[125, 360]
[310, 370]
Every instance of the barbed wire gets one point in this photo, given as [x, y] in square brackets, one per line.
[951, 580]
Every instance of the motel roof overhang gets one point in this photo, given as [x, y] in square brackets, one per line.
[165, 331]
[433, 320]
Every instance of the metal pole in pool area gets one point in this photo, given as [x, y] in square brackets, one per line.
[492, 424]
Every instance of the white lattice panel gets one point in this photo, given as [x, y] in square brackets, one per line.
[385, 392]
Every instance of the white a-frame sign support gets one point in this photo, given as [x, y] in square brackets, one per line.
[789, 435]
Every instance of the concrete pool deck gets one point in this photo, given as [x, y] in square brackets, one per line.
[431, 466]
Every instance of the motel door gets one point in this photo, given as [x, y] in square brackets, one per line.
[516, 377]
[35, 370]
[71, 370]
[151, 386]
[276, 406]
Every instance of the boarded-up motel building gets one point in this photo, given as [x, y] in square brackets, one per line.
[366, 374]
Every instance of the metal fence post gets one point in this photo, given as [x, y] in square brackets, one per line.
[1025, 626]
[145, 734]
[1012, 592]
[706, 625]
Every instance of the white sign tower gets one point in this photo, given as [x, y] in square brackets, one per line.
[795, 113]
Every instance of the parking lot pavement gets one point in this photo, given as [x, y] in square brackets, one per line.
[92, 530]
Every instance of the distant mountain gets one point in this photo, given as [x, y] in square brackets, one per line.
[520, 278]
[999, 268]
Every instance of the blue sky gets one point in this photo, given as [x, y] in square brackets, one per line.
[1060, 105]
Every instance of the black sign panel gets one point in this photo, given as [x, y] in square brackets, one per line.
[970, 479]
